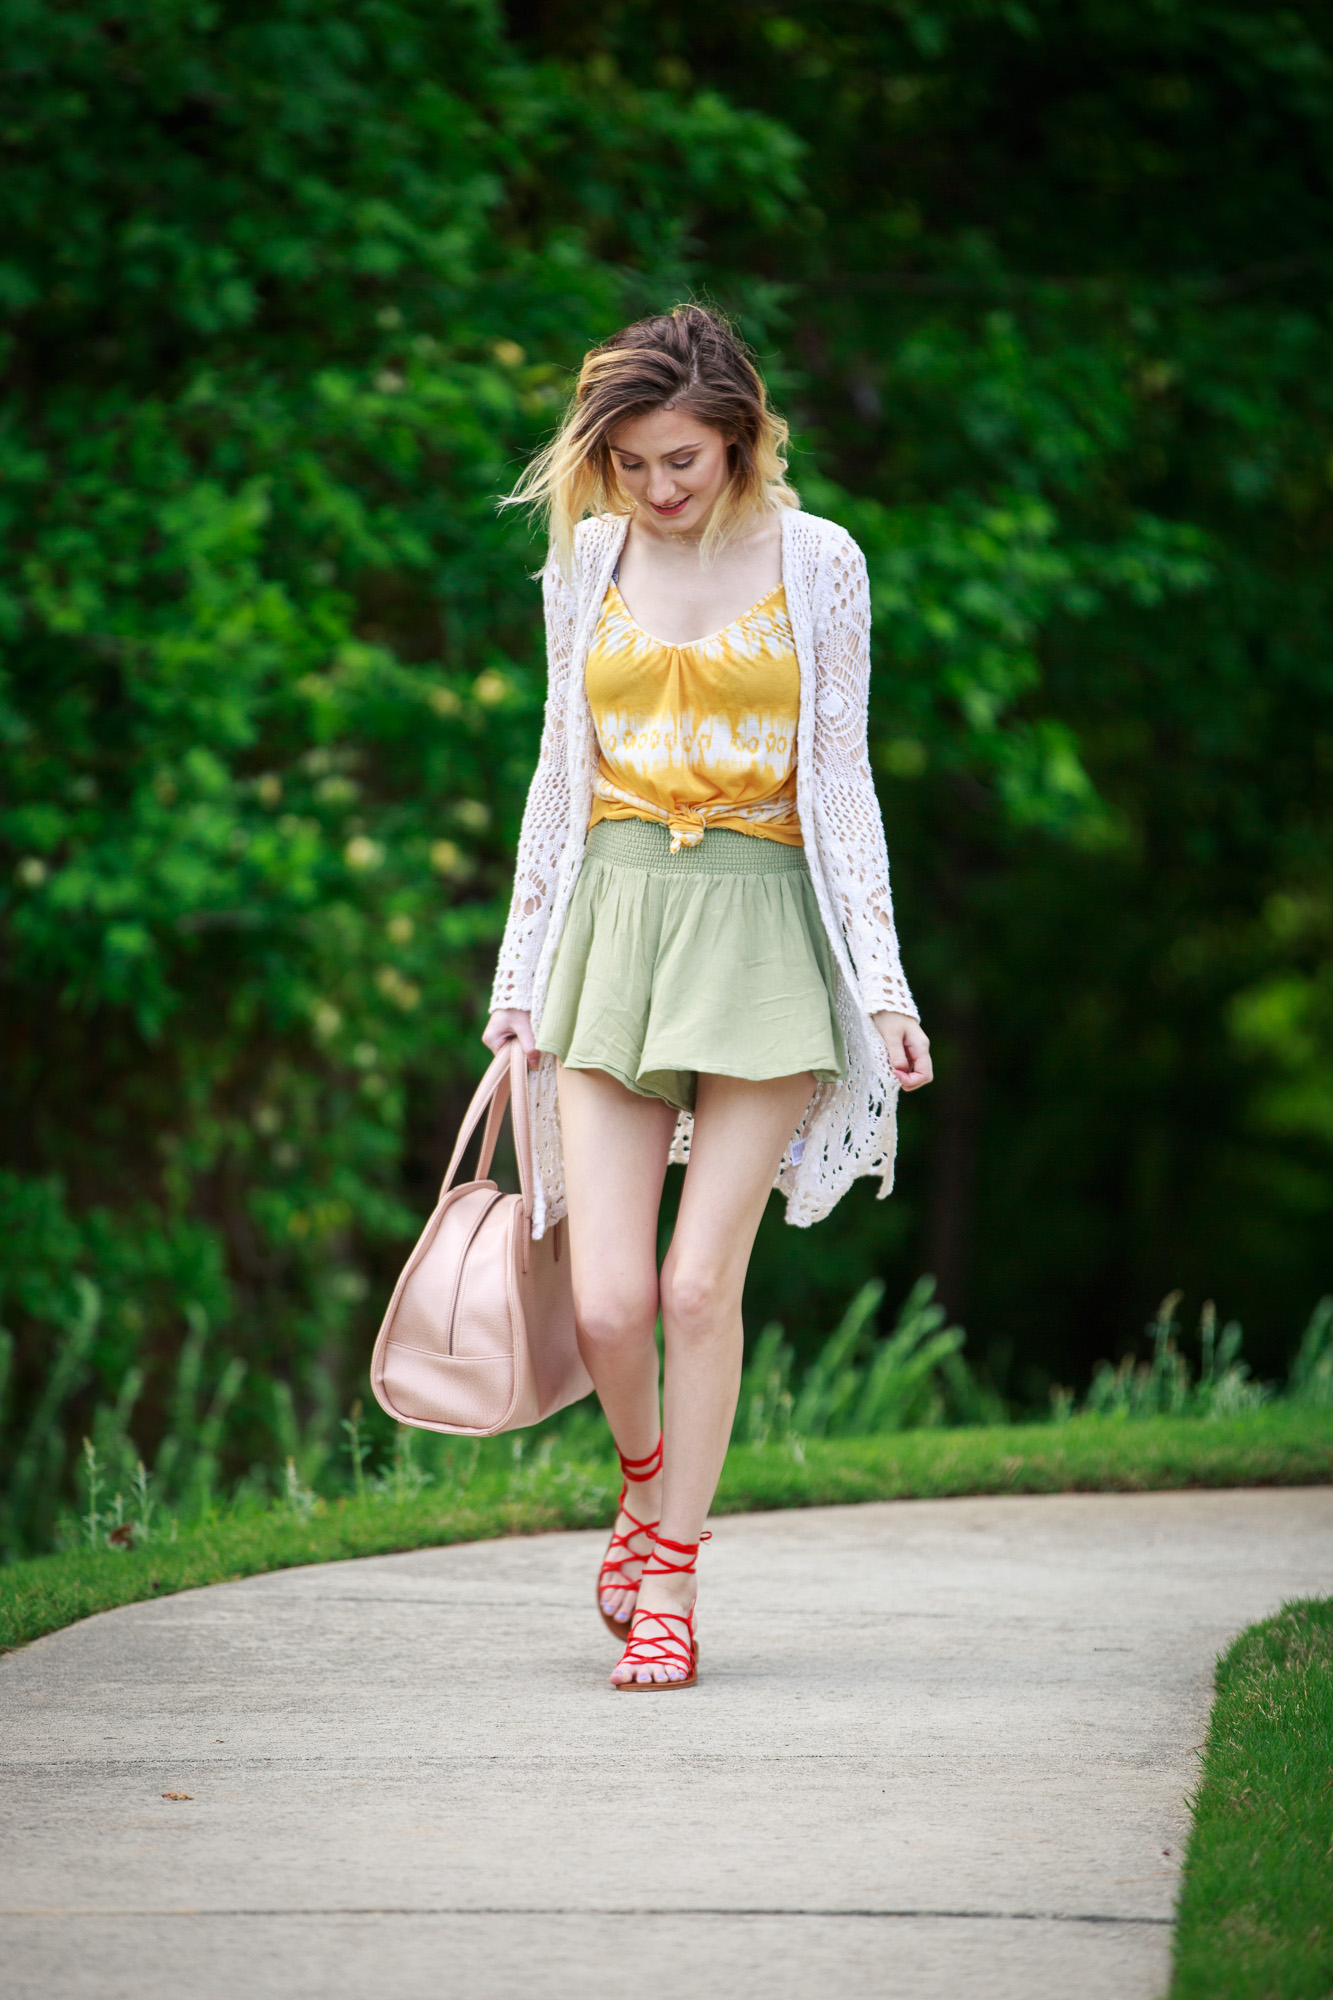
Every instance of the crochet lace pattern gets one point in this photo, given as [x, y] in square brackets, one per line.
[849, 1127]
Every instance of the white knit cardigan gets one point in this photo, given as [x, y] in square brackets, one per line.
[849, 1127]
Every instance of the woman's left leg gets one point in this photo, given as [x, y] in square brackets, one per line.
[740, 1133]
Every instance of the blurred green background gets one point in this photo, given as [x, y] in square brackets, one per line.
[290, 289]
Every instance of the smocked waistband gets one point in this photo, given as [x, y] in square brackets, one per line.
[646, 844]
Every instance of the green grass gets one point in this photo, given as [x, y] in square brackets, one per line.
[1256, 1911]
[552, 1488]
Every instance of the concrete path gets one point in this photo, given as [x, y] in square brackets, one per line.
[941, 1750]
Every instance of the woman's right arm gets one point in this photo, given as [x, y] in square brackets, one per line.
[544, 834]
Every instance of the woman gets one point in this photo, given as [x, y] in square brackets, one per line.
[700, 959]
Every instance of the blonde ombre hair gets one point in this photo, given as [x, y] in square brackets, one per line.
[686, 359]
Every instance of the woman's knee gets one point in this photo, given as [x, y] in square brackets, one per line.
[613, 1318]
[698, 1303]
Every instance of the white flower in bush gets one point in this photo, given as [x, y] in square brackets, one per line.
[363, 853]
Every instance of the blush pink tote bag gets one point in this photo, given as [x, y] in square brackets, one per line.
[479, 1335]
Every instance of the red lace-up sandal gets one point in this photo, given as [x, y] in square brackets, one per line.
[664, 1638]
[620, 1550]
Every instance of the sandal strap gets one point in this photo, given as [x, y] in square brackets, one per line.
[637, 1470]
[613, 1565]
[637, 1526]
[660, 1565]
[665, 1648]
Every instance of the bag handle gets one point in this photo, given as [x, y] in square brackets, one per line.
[490, 1096]
[505, 1083]
[520, 1119]
[494, 1120]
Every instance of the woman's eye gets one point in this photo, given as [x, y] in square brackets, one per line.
[681, 464]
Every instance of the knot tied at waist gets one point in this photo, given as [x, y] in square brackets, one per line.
[687, 827]
[688, 824]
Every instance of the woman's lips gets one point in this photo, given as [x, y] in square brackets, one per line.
[674, 509]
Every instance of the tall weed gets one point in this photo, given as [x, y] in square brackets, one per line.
[39, 1461]
[1165, 1385]
[1311, 1378]
[860, 1385]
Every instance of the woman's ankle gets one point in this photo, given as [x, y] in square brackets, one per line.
[667, 1593]
[643, 1498]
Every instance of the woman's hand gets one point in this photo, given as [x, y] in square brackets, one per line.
[511, 1025]
[908, 1045]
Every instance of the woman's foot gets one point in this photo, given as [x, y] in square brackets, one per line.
[661, 1644]
[662, 1651]
[632, 1538]
[630, 1546]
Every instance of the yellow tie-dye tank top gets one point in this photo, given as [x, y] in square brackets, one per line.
[700, 735]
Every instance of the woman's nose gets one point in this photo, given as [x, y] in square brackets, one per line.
[661, 484]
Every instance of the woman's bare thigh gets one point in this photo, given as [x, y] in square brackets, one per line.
[615, 1147]
[741, 1131]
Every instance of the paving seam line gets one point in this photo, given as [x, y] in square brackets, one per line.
[583, 1910]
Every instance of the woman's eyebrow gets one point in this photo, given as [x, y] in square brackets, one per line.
[680, 450]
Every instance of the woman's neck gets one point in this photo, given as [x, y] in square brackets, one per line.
[676, 596]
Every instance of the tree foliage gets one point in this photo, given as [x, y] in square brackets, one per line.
[290, 290]
[288, 298]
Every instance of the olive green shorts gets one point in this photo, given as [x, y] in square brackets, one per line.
[713, 959]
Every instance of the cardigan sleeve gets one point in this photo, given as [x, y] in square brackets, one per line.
[849, 825]
[545, 829]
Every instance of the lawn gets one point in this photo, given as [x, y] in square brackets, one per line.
[510, 1492]
[1256, 1909]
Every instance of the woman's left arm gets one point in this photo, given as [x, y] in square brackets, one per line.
[850, 826]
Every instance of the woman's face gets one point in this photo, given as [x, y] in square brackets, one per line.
[673, 468]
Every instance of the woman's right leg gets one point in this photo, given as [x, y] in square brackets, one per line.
[615, 1147]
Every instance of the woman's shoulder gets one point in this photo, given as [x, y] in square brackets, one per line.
[827, 540]
[829, 561]
[594, 535]
[593, 538]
